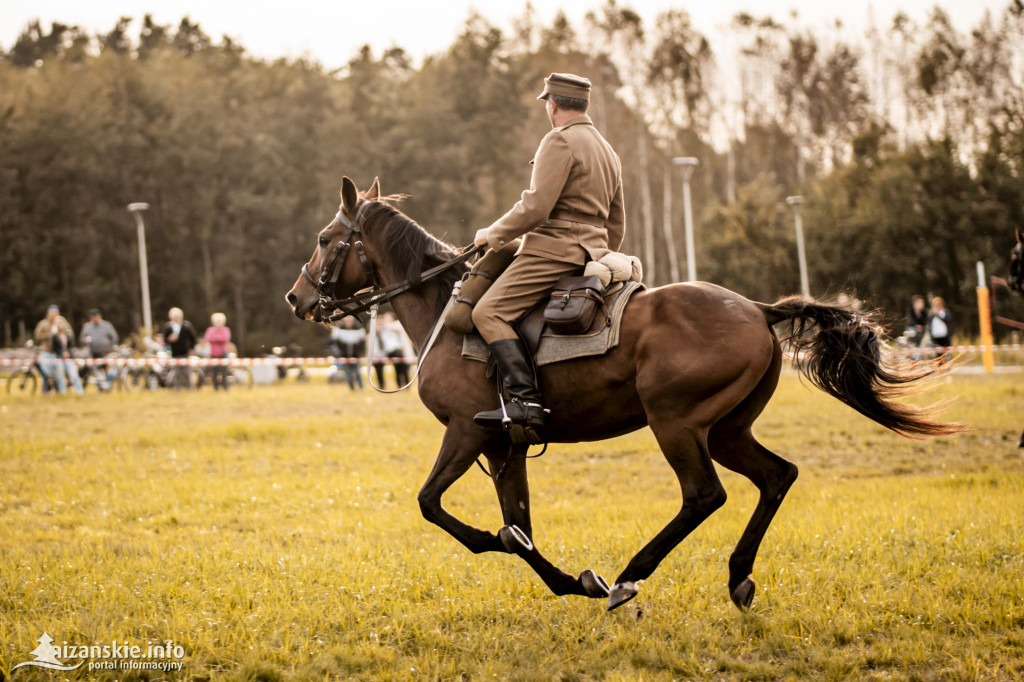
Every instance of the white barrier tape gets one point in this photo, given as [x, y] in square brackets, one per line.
[295, 362]
[210, 362]
[955, 349]
[933, 351]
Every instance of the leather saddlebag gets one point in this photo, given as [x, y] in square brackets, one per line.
[574, 304]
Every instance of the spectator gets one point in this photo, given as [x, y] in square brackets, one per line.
[218, 336]
[153, 345]
[56, 338]
[393, 343]
[101, 337]
[917, 318]
[348, 342]
[180, 335]
[940, 324]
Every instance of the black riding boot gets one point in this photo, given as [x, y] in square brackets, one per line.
[517, 373]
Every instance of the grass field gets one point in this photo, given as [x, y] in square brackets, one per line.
[274, 534]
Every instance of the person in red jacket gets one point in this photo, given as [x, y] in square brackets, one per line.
[218, 336]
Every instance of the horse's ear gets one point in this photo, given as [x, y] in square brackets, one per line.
[374, 191]
[349, 193]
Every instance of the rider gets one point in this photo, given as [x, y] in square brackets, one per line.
[573, 212]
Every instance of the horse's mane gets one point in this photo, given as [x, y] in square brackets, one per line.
[411, 248]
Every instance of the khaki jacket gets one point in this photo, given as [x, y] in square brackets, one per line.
[46, 330]
[575, 170]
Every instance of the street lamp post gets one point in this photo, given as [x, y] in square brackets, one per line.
[688, 163]
[795, 203]
[673, 257]
[136, 210]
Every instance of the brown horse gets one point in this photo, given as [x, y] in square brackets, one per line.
[695, 362]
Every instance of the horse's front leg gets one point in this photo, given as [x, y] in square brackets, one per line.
[508, 469]
[461, 445]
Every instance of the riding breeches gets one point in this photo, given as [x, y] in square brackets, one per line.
[524, 284]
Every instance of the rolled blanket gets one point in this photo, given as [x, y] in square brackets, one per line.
[599, 270]
[638, 270]
[624, 268]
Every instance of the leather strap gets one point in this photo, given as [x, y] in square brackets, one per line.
[434, 332]
[574, 217]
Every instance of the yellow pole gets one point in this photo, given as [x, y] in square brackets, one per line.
[985, 321]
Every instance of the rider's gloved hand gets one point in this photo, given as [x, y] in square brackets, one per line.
[481, 237]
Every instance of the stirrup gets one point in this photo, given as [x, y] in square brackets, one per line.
[533, 414]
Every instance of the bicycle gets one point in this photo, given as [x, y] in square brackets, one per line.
[188, 377]
[135, 378]
[103, 375]
[25, 380]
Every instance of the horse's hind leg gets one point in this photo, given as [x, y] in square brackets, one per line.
[686, 450]
[510, 482]
[735, 448]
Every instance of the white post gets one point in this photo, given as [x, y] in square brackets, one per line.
[673, 259]
[795, 203]
[985, 321]
[688, 163]
[136, 210]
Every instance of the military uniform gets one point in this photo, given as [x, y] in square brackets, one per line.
[573, 212]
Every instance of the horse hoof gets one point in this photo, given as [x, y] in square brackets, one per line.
[743, 594]
[620, 594]
[593, 584]
[514, 539]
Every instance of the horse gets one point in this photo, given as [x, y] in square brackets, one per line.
[696, 363]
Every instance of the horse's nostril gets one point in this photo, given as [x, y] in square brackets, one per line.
[292, 298]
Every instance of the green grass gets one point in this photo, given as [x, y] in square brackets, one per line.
[275, 535]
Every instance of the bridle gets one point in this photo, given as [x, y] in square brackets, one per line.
[335, 263]
[371, 297]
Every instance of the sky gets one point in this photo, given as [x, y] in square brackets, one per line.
[332, 32]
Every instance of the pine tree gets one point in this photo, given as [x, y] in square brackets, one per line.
[45, 652]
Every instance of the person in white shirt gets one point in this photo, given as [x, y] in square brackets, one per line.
[348, 342]
[393, 343]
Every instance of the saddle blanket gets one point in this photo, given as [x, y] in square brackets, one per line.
[600, 339]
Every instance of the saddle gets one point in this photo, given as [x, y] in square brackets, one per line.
[548, 347]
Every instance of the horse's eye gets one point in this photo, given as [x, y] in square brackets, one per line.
[325, 242]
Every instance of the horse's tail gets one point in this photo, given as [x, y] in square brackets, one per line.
[841, 352]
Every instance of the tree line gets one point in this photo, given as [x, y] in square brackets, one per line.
[908, 147]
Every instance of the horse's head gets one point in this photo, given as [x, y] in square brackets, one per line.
[334, 271]
[392, 254]
[1015, 280]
